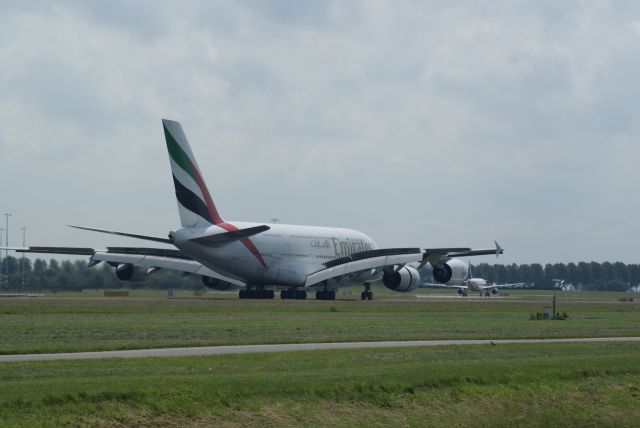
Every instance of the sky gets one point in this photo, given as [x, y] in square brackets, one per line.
[426, 123]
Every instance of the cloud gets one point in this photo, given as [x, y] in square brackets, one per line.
[418, 123]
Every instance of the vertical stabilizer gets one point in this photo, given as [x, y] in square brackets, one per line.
[194, 201]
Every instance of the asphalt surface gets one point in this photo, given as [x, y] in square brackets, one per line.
[292, 347]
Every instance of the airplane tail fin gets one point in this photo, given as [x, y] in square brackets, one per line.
[194, 201]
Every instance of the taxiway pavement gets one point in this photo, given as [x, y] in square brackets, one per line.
[289, 347]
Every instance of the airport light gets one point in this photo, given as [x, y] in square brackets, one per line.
[24, 240]
[6, 252]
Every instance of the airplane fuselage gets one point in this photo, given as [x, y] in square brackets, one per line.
[284, 255]
[476, 284]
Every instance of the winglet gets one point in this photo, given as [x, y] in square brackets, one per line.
[499, 249]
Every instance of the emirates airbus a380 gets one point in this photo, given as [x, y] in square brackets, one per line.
[259, 258]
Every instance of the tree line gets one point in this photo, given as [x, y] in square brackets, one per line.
[616, 276]
[54, 275]
[66, 275]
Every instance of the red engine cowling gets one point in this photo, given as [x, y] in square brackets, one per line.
[131, 273]
[452, 272]
[405, 279]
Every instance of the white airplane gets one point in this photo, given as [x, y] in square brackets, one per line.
[561, 285]
[478, 285]
[259, 258]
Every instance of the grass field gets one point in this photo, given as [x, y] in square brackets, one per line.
[504, 385]
[579, 384]
[72, 323]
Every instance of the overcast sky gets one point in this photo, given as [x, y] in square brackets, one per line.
[419, 123]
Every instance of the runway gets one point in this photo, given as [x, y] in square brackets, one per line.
[291, 347]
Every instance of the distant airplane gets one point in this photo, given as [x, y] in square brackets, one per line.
[477, 285]
[563, 285]
[260, 258]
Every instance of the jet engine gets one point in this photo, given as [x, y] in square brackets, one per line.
[216, 284]
[132, 273]
[451, 272]
[405, 279]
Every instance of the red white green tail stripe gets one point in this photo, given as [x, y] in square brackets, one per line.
[195, 204]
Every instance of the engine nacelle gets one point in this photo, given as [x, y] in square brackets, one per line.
[406, 279]
[451, 272]
[494, 291]
[216, 284]
[131, 273]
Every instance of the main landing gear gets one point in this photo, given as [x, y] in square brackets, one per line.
[293, 294]
[367, 294]
[326, 295]
[256, 294]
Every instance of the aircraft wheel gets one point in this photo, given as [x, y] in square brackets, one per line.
[370, 295]
[363, 296]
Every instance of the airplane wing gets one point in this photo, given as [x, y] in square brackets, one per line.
[151, 258]
[438, 285]
[74, 251]
[515, 284]
[467, 252]
[437, 255]
[387, 258]
[366, 260]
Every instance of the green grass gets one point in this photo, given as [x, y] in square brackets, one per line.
[505, 385]
[66, 324]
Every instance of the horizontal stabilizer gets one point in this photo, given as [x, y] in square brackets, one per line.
[130, 235]
[221, 239]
